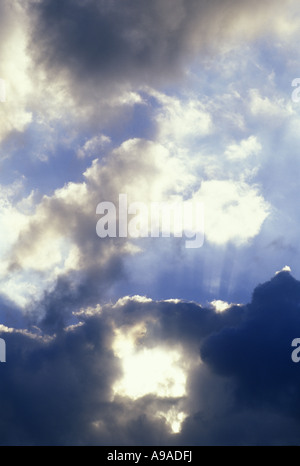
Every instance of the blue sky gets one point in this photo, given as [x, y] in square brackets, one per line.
[161, 101]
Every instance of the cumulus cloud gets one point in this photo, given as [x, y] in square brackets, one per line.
[277, 109]
[15, 68]
[181, 121]
[231, 380]
[256, 356]
[93, 146]
[59, 236]
[246, 148]
[233, 211]
[91, 42]
[94, 110]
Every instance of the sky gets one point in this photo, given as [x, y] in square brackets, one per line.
[142, 338]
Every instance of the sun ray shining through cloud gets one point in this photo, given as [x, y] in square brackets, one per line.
[149, 186]
[150, 371]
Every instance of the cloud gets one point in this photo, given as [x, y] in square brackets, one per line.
[93, 110]
[256, 357]
[275, 109]
[247, 148]
[15, 68]
[231, 379]
[93, 146]
[58, 237]
[76, 386]
[91, 44]
[180, 122]
[50, 381]
[233, 211]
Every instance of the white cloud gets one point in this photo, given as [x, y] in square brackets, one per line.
[59, 235]
[275, 109]
[15, 70]
[181, 121]
[144, 170]
[234, 211]
[12, 217]
[219, 305]
[286, 268]
[243, 150]
[93, 146]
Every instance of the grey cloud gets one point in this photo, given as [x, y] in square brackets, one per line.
[138, 168]
[58, 389]
[113, 44]
[50, 389]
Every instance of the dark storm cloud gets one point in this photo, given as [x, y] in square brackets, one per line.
[120, 42]
[58, 389]
[256, 358]
[172, 322]
[49, 390]
[258, 352]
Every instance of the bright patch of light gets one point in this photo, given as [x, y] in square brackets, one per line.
[219, 305]
[137, 298]
[174, 419]
[147, 371]
[286, 268]
[233, 211]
